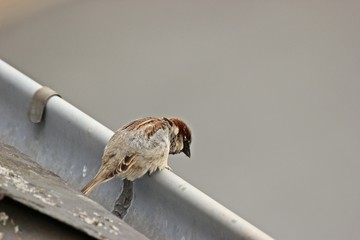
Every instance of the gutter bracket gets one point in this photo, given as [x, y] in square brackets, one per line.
[38, 104]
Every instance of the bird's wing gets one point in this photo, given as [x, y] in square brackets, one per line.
[139, 138]
[126, 163]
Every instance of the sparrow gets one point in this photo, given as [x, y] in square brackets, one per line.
[140, 147]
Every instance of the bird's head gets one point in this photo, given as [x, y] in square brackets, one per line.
[182, 139]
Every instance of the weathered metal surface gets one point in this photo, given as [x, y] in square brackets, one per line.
[19, 222]
[70, 143]
[27, 182]
[124, 201]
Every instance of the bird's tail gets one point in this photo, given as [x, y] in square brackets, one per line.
[103, 175]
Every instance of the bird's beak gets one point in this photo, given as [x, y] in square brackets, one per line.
[186, 148]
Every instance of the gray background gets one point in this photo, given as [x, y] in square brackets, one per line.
[269, 88]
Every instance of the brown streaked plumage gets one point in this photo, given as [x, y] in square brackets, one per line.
[141, 146]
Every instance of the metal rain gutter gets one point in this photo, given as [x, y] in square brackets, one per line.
[70, 143]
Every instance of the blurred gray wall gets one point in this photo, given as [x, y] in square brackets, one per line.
[269, 88]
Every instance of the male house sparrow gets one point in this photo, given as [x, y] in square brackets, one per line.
[141, 146]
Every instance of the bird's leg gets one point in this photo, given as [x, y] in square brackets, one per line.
[168, 168]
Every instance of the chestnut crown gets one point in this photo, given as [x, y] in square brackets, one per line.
[184, 135]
